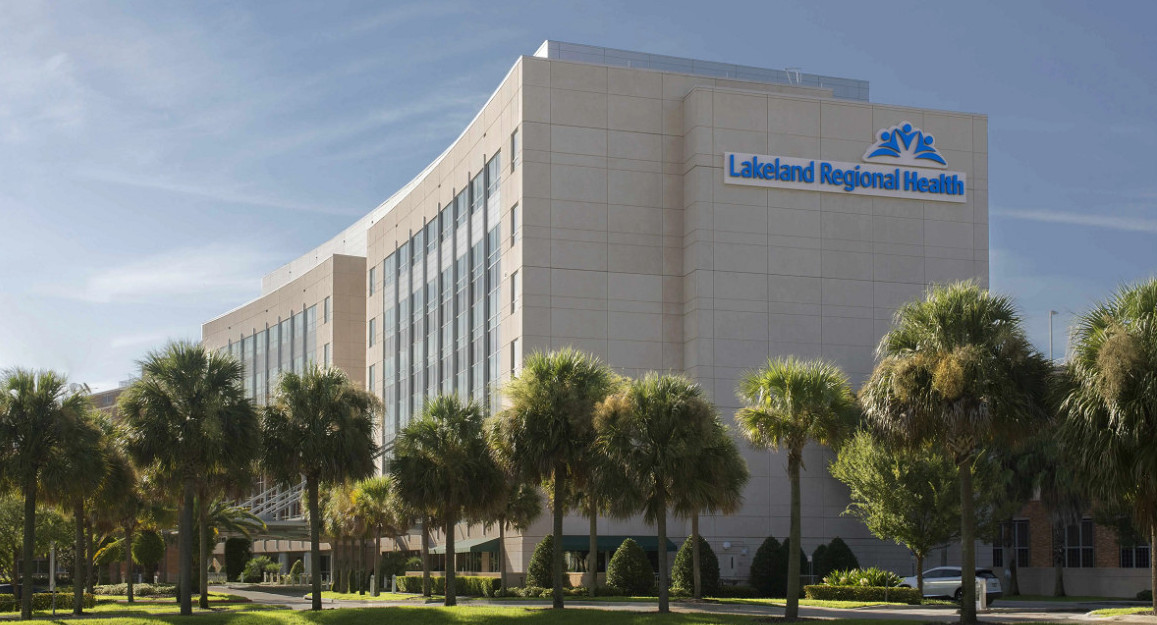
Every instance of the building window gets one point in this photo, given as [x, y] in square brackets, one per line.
[514, 219]
[515, 289]
[372, 386]
[373, 280]
[325, 356]
[1079, 545]
[1016, 533]
[515, 149]
[1135, 556]
[325, 310]
[515, 358]
[373, 330]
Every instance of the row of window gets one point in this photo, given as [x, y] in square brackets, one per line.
[1075, 541]
[287, 345]
[441, 304]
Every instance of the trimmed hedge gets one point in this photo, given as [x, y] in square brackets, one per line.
[467, 585]
[139, 590]
[911, 596]
[43, 601]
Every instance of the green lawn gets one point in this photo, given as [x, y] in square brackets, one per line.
[385, 596]
[214, 597]
[463, 615]
[1076, 599]
[1123, 611]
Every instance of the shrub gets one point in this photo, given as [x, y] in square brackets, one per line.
[539, 573]
[836, 556]
[148, 549]
[682, 574]
[466, 585]
[140, 590]
[395, 563]
[872, 577]
[1145, 595]
[238, 551]
[43, 601]
[911, 596]
[296, 570]
[257, 567]
[630, 571]
[764, 576]
[737, 591]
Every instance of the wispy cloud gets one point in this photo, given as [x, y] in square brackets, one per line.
[1110, 222]
[212, 273]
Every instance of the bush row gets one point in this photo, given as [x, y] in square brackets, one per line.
[870, 576]
[139, 590]
[466, 585]
[43, 601]
[911, 596]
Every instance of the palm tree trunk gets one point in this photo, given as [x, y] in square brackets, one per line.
[593, 554]
[794, 461]
[967, 546]
[185, 551]
[29, 546]
[203, 555]
[696, 576]
[378, 563]
[314, 543]
[661, 525]
[502, 552]
[78, 559]
[1153, 565]
[425, 556]
[129, 560]
[920, 574]
[1013, 567]
[556, 557]
[451, 563]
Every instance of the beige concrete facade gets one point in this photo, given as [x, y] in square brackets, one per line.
[628, 244]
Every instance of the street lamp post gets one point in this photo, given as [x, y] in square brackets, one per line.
[1051, 313]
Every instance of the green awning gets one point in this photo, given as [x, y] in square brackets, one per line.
[611, 543]
[470, 545]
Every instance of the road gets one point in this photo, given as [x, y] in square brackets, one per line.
[1003, 612]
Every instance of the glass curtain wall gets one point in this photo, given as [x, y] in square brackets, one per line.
[289, 345]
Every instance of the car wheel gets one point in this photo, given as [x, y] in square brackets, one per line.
[959, 594]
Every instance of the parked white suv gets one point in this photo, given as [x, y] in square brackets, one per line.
[944, 581]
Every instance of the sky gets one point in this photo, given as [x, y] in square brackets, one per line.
[158, 158]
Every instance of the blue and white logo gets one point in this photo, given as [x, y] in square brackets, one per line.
[904, 144]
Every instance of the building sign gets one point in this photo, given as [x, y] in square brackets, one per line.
[901, 163]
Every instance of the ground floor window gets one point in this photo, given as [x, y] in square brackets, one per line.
[576, 561]
[1135, 557]
[1079, 545]
[1015, 532]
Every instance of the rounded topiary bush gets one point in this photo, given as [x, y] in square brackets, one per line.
[837, 556]
[766, 576]
[539, 573]
[238, 551]
[630, 571]
[682, 575]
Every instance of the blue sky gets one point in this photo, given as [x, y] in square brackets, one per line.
[156, 159]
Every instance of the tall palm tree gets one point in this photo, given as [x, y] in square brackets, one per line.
[1109, 404]
[787, 404]
[715, 486]
[375, 499]
[320, 426]
[655, 429]
[956, 371]
[39, 418]
[549, 426]
[442, 464]
[188, 418]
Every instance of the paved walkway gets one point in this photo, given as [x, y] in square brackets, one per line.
[1003, 612]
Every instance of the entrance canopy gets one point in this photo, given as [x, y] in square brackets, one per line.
[470, 545]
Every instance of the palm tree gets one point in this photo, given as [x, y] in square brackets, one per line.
[956, 371]
[1109, 404]
[442, 464]
[549, 425]
[70, 481]
[655, 429]
[375, 499]
[188, 418]
[319, 426]
[787, 404]
[39, 417]
[715, 486]
[521, 505]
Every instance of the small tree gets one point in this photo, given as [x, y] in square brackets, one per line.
[148, 549]
[765, 576]
[682, 575]
[296, 570]
[630, 571]
[238, 551]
